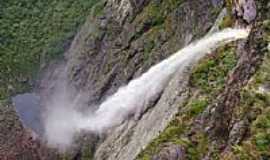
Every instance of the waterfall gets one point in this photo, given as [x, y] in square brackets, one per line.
[63, 123]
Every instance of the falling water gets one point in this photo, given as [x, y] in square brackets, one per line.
[62, 123]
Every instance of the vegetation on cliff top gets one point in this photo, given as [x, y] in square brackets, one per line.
[31, 33]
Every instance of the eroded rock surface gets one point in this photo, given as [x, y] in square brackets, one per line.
[121, 40]
[246, 9]
[171, 152]
[119, 50]
[18, 143]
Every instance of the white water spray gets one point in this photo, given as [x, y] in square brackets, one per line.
[61, 124]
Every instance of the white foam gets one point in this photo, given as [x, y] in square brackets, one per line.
[62, 124]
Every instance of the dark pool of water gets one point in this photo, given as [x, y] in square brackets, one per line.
[28, 109]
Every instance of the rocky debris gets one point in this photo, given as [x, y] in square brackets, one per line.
[17, 143]
[123, 9]
[237, 132]
[246, 10]
[171, 152]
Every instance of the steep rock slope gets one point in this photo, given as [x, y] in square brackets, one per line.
[109, 52]
[127, 37]
[220, 111]
[120, 41]
[221, 120]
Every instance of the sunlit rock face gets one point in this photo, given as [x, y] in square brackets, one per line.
[122, 9]
[246, 9]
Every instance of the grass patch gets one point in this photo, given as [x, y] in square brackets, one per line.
[211, 73]
[176, 132]
[197, 106]
[255, 105]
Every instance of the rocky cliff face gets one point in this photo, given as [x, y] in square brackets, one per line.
[217, 110]
[126, 39]
[117, 49]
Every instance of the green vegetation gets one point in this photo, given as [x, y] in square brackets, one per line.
[149, 45]
[151, 23]
[87, 152]
[255, 106]
[197, 106]
[156, 12]
[227, 21]
[154, 15]
[257, 146]
[176, 132]
[211, 73]
[208, 77]
[261, 129]
[98, 8]
[229, 4]
[33, 32]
